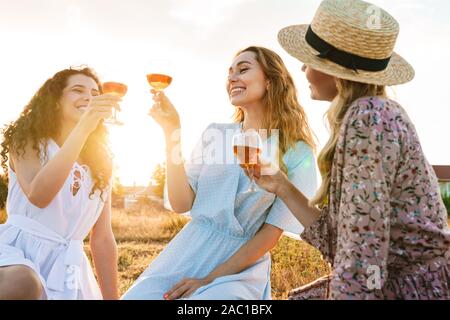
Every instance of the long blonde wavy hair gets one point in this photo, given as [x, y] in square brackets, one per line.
[282, 108]
[348, 92]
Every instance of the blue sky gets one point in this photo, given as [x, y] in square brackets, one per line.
[123, 39]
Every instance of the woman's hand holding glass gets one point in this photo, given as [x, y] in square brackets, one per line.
[164, 113]
[99, 108]
[267, 176]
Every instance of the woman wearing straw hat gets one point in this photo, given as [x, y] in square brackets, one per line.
[381, 223]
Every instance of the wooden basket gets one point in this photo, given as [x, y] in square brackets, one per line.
[316, 290]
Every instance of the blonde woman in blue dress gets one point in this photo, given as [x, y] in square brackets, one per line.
[59, 168]
[223, 252]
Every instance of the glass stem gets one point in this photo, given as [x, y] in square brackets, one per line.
[253, 185]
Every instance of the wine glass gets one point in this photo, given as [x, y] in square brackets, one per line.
[159, 78]
[247, 146]
[159, 82]
[116, 88]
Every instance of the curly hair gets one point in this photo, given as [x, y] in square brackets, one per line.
[41, 119]
[283, 110]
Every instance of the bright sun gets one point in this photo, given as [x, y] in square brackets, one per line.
[138, 145]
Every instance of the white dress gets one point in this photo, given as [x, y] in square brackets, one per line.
[50, 240]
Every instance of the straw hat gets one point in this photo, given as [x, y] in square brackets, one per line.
[349, 39]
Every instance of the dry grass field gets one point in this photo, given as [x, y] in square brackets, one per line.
[141, 236]
[2, 216]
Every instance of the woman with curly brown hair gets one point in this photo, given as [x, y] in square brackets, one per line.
[59, 166]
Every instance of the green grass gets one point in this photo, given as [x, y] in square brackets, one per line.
[446, 200]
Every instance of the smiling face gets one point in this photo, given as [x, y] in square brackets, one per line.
[322, 86]
[76, 96]
[246, 85]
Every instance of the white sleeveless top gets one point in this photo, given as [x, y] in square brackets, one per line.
[50, 240]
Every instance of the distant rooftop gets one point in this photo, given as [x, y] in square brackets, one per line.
[443, 173]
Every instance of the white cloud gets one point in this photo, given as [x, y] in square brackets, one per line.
[204, 14]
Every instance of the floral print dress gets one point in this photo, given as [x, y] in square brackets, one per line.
[385, 228]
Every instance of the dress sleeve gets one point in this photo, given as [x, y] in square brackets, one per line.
[318, 235]
[193, 166]
[301, 170]
[370, 152]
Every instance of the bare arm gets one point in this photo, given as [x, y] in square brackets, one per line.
[181, 195]
[298, 204]
[104, 253]
[279, 184]
[244, 258]
[263, 241]
[41, 184]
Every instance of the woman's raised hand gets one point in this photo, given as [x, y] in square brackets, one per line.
[99, 108]
[164, 113]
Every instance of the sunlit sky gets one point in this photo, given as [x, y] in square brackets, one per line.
[122, 40]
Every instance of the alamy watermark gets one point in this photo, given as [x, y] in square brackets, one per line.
[374, 279]
[374, 20]
[73, 276]
[216, 148]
